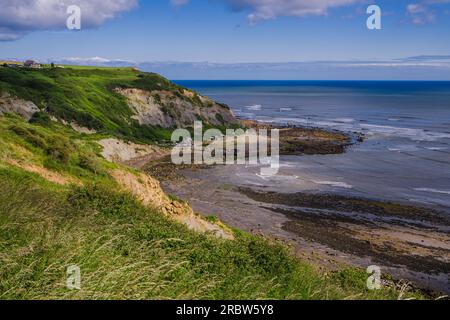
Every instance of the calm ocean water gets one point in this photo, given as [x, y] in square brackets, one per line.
[406, 156]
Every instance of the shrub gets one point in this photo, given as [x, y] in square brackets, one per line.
[90, 163]
[157, 98]
[40, 118]
[220, 118]
[59, 148]
[100, 198]
[30, 135]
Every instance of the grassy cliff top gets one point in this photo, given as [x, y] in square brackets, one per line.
[85, 95]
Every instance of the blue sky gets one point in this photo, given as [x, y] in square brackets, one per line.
[221, 32]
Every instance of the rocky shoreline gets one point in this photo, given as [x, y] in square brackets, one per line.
[296, 140]
[293, 141]
[391, 234]
[407, 242]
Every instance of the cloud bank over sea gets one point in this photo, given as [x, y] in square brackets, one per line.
[409, 68]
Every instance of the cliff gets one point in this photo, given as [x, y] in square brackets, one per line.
[123, 102]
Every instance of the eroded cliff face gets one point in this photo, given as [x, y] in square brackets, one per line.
[149, 192]
[175, 110]
[10, 104]
[161, 108]
[178, 108]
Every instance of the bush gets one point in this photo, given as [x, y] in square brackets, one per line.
[100, 198]
[30, 135]
[157, 98]
[90, 163]
[220, 118]
[40, 118]
[58, 147]
[350, 278]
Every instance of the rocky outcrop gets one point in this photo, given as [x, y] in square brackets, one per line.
[175, 109]
[10, 104]
[148, 191]
[80, 129]
[75, 126]
[115, 150]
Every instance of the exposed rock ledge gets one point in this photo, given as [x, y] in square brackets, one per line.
[148, 189]
[10, 104]
[149, 192]
[169, 110]
[80, 129]
[26, 109]
[135, 155]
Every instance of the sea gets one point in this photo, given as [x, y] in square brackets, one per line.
[406, 155]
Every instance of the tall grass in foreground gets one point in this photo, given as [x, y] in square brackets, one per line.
[126, 251]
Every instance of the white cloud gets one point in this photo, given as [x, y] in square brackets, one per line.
[415, 8]
[425, 67]
[419, 13]
[422, 13]
[19, 17]
[270, 9]
[95, 61]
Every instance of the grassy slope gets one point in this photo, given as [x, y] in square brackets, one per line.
[85, 95]
[124, 250]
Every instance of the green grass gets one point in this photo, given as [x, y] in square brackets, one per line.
[53, 146]
[127, 251]
[85, 95]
